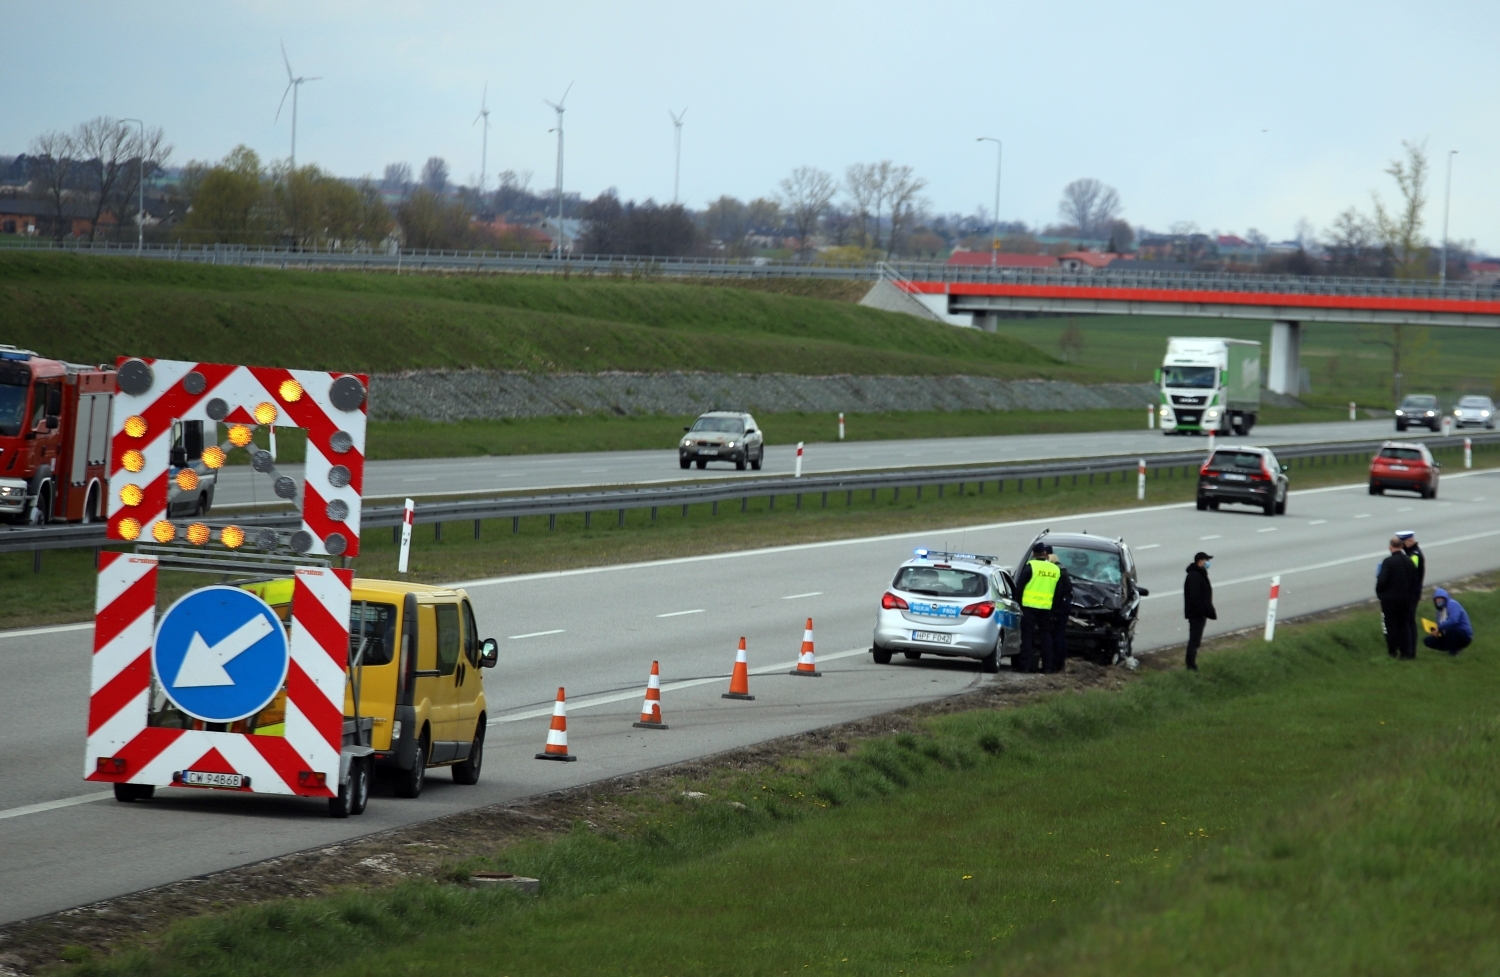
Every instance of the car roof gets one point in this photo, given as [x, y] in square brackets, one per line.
[1403, 444]
[725, 413]
[1420, 397]
[1476, 397]
[1241, 447]
[1085, 541]
[975, 565]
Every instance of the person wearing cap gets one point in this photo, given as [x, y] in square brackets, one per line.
[1454, 632]
[1055, 659]
[1197, 604]
[1037, 583]
[1393, 587]
[1418, 559]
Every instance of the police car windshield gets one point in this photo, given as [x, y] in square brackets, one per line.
[938, 582]
[12, 410]
[1189, 376]
[725, 425]
[1094, 566]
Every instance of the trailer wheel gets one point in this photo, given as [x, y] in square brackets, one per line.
[354, 793]
[129, 793]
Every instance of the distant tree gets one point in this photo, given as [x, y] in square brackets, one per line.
[865, 183]
[1121, 237]
[763, 213]
[838, 225]
[397, 178]
[727, 220]
[1352, 245]
[1070, 342]
[1089, 205]
[435, 174]
[316, 208]
[805, 195]
[53, 174]
[232, 202]
[612, 227]
[605, 227]
[149, 153]
[903, 193]
[428, 220]
[1401, 229]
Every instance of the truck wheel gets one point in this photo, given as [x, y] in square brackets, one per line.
[411, 781]
[41, 510]
[91, 508]
[467, 772]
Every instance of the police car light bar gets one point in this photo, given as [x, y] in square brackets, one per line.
[926, 554]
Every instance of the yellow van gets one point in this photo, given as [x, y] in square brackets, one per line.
[418, 678]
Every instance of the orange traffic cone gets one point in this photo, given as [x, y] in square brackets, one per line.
[739, 682]
[807, 662]
[557, 736]
[651, 708]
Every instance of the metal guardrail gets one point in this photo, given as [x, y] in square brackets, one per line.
[620, 501]
[548, 263]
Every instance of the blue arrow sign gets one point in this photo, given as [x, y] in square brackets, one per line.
[221, 654]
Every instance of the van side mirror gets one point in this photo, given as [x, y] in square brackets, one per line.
[489, 653]
[52, 422]
[177, 458]
[192, 439]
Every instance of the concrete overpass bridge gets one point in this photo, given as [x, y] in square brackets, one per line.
[974, 297]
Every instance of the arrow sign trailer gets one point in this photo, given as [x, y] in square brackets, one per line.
[221, 654]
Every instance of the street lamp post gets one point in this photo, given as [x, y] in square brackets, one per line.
[1447, 191]
[995, 223]
[140, 179]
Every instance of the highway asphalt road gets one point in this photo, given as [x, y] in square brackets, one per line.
[430, 477]
[596, 632]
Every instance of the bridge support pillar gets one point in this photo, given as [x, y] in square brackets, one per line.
[986, 321]
[1284, 371]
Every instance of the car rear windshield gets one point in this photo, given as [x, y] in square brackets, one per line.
[1405, 454]
[938, 582]
[1419, 402]
[1190, 376]
[1236, 459]
[725, 425]
[1095, 566]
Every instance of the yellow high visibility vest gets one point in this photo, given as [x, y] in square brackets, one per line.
[1042, 585]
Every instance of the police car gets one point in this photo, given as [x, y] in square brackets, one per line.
[957, 605]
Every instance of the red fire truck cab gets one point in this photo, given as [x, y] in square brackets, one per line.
[54, 438]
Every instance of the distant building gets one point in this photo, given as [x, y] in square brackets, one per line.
[1232, 247]
[37, 217]
[1484, 272]
[1086, 261]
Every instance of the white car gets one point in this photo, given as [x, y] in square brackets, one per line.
[957, 605]
[1475, 410]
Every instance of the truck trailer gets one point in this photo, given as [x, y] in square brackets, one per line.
[1209, 386]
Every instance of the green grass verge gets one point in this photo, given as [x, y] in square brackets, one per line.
[64, 590]
[93, 309]
[1304, 807]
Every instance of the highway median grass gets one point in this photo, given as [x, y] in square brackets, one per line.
[1307, 806]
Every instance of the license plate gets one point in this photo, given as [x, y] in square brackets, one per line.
[200, 778]
[708, 451]
[1398, 468]
[934, 610]
[936, 636]
[1236, 478]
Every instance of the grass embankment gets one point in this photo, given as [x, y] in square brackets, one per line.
[93, 309]
[1305, 807]
[64, 590]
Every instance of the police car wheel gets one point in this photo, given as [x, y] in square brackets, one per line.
[990, 664]
[882, 657]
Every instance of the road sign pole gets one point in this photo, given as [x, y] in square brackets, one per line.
[1271, 607]
[407, 517]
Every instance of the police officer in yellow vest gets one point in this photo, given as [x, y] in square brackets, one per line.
[1037, 583]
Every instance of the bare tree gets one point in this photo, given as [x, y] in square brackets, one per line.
[1401, 230]
[52, 169]
[103, 145]
[1089, 205]
[903, 188]
[864, 183]
[148, 155]
[435, 174]
[1070, 342]
[1351, 243]
[397, 178]
[805, 195]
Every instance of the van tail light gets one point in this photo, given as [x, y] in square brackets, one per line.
[892, 603]
[982, 609]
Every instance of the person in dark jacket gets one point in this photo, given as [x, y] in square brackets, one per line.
[1454, 632]
[1062, 602]
[1418, 559]
[1197, 604]
[1393, 586]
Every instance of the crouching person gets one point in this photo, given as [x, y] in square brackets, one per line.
[1454, 632]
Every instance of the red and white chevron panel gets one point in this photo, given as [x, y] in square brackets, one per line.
[135, 753]
[330, 407]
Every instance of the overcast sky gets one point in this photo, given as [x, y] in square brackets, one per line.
[1252, 114]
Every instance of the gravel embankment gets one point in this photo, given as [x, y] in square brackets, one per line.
[480, 394]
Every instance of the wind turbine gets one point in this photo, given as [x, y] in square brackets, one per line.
[557, 107]
[293, 85]
[484, 113]
[677, 136]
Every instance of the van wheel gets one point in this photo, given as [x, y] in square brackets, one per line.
[467, 772]
[411, 781]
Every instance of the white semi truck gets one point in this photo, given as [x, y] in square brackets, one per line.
[1209, 386]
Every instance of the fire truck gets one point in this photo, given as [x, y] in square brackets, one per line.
[54, 443]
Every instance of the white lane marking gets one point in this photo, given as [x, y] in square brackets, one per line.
[432, 479]
[591, 471]
[535, 634]
[1372, 555]
[54, 629]
[1215, 536]
[1444, 505]
[697, 610]
[1268, 529]
[1149, 546]
[602, 700]
[1317, 522]
[810, 593]
[1477, 498]
[16, 812]
[1362, 515]
[1405, 508]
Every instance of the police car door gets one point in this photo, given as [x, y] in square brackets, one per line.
[1008, 610]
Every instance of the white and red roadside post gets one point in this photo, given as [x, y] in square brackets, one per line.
[841, 425]
[1468, 452]
[1210, 442]
[798, 473]
[1271, 607]
[408, 516]
[1351, 410]
[1140, 480]
[1150, 416]
[1447, 426]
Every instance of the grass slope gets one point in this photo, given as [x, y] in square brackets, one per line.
[92, 309]
[1304, 807]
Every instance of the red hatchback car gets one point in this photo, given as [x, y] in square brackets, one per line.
[1405, 466]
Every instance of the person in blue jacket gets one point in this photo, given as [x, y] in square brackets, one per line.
[1454, 630]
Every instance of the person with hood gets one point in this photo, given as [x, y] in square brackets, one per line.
[1198, 604]
[1393, 587]
[1418, 559]
[1454, 632]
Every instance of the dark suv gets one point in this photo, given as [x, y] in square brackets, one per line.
[1106, 597]
[1248, 476]
[1420, 410]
